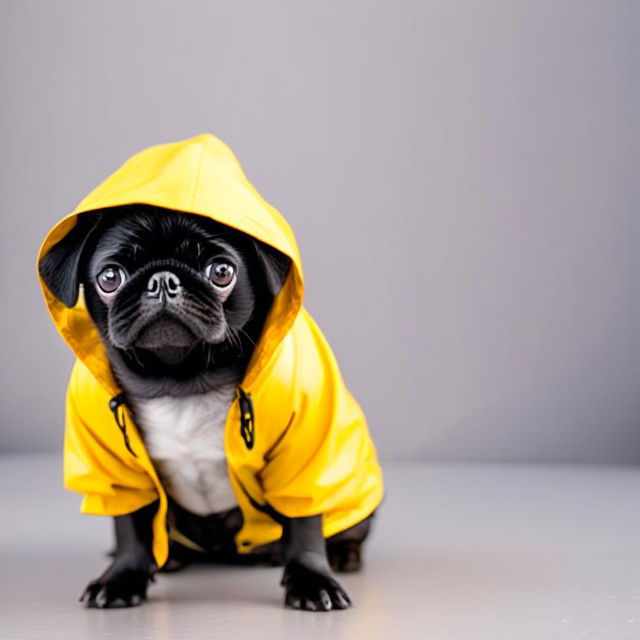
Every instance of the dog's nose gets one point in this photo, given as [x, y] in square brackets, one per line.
[163, 283]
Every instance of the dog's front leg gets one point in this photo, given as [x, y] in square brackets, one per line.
[125, 581]
[307, 579]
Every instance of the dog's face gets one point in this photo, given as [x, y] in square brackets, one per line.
[174, 296]
[161, 283]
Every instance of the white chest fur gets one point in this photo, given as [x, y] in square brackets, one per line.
[185, 439]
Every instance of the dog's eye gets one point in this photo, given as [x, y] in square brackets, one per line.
[110, 279]
[221, 274]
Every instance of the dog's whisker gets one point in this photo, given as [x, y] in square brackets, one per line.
[237, 339]
[134, 354]
[247, 336]
[228, 334]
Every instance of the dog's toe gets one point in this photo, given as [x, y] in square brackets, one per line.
[345, 557]
[126, 589]
[95, 595]
[310, 590]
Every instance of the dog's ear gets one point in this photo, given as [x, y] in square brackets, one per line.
[275, 266]
[60, 267]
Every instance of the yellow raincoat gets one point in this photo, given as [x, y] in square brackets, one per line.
[310, 452]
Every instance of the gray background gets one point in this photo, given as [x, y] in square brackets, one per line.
[462, 178]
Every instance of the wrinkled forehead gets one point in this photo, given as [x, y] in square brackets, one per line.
[134, 238]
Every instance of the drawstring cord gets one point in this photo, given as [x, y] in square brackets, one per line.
[114, 405]
[247, 419]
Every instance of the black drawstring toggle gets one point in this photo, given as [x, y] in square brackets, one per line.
[114, 405]
[247, 421]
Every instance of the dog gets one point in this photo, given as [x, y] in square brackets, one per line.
[180, 302]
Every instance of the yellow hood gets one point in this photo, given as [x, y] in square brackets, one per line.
[311, 452]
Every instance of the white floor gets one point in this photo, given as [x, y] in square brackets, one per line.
[459, 552]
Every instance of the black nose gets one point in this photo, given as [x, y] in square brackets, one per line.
[163, 283]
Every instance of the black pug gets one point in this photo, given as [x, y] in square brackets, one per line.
[179, 301]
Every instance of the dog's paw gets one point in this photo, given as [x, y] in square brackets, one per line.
[123, 584]
[312, 590]
[345, 556]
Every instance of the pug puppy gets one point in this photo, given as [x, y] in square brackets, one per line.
[179, 302]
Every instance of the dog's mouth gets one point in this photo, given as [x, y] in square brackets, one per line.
[167, 339]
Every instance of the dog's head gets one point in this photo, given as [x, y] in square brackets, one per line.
[175, 296]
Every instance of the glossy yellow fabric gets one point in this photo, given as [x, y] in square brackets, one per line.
[312, 453]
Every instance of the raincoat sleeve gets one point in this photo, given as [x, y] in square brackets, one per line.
[326, 462]
[111, 485]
